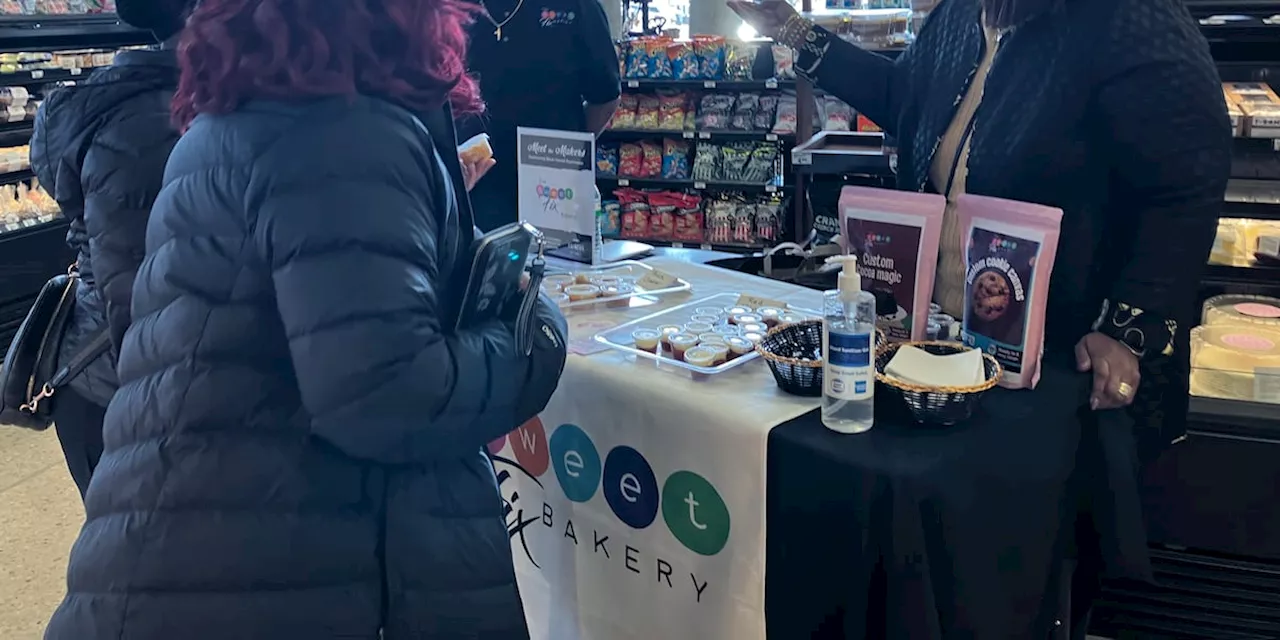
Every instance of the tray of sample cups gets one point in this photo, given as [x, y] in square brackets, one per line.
[709, 336]
[610, 285]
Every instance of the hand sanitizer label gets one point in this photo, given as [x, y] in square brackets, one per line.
[849, 374]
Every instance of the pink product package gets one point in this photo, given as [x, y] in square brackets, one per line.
[895, 236]
[1009, 251]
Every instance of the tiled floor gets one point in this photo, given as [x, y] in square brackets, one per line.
[40, 515]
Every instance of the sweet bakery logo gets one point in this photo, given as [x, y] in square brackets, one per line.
[999, 243]
[553, 18]
[690, 507]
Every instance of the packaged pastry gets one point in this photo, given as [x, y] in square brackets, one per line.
[1236, 363]
[1242, 311]
[895, 235]
[1009, 253]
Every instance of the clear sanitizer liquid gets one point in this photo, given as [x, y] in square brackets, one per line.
[848, 352]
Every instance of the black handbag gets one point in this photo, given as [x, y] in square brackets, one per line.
[30, 377]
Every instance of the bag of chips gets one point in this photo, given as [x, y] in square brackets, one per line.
[625, 115]
[659, 63]
[630, 161]
[651, 162]
[671, 111]
[607, 160]
[648, 112]
[675, 159]
[684, 61]
[711, 54]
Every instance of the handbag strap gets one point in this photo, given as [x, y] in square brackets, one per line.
[97, 346]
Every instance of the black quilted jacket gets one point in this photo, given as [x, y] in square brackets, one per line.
[99, 148]
[296, 449]
[1111, 110]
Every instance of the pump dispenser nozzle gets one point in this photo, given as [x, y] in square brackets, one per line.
[850, 281]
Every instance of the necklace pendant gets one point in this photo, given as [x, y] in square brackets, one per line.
[497, 33]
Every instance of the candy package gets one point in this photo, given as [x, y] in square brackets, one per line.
[837, 116]
[647, 112]
[630, 161]
[651, 161]
[684, 61]
[675, 159]
[671, 111]
[606, 160]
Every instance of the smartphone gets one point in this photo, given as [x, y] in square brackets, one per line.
[493, 286]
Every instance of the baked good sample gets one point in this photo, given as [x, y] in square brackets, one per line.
[646, 339]
[680, 343]
[580, 292]
[475, 150]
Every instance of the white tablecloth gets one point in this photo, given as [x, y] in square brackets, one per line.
[637, 501]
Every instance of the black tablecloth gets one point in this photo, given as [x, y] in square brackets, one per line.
[911, 532]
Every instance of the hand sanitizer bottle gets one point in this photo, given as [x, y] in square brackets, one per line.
[848, 351]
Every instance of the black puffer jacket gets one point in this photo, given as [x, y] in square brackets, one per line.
[297, 446]
[99, 148]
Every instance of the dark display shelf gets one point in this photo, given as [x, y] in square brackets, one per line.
[41, 76]
[710, 185]
[1222, 275]
[46, 33]
[640, 134]
[16, 176]
[728, 85]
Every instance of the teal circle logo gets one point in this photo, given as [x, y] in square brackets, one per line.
[576, 461]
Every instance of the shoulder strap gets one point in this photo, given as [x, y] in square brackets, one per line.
[96, 346]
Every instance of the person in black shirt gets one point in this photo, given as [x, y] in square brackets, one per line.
[541, 63]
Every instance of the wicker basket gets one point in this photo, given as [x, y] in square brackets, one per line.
[936, 405]
[794, 354]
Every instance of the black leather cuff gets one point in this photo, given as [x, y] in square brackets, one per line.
[810, 51]
[1146, 335]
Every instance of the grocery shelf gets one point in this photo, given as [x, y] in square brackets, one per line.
[45, 33]
[707, 246]
[714, 185]
[1218, 274]
[1258, 199]
[734, 85]
[721, 135]
[1240, 415]
[41, 76]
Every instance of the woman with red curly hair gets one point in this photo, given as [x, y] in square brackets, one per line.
[296, 449]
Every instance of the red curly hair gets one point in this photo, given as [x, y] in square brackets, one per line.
[412, 52]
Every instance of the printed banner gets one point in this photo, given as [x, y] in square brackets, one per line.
[635, 524]
[557, 186]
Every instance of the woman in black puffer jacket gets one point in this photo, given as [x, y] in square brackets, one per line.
[100, 147]
[297, 447]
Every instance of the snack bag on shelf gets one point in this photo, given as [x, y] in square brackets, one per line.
[785, 123]
[610, 219]
[719, 221]
[744, 112]
[635, 220]
[711, 54]
[689, 219]
[740, 57]
[744, 223]
[837, 116]
[761, 166]
[715, 112]
[765, 113]
[647, 112]
[671, 111]
[662, 215]
[690, 112]
[707, 162]
[607, 159]
[783, 62]
[768, 222]
[684, 61]
[637, 60]
[622, 49]
[9, 211]
[624, 117]
[865, 124]
[659, 63]
[675, 159]
[651, 161]
[735, 159]
[630, 161]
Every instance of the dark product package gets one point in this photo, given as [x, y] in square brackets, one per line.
[895, 235]
[1009, 252]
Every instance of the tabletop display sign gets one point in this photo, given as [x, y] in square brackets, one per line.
[557, 190]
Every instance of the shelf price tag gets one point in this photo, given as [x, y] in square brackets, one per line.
[801, 157]
[771, 137]
[688, 135]
[755, 302]
[37, 74]
[75, 71]
[703, 135]
[28, 222]
[699, 185]
[656, 279]
[770, 188]
[771, 83]
[633, 84]
[677, 245]
[709, 84]
[12, 226]
[706, 246]
[623, 182]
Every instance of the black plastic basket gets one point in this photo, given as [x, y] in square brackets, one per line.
[936, 405]
[794, 354]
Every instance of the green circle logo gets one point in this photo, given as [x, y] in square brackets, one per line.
[695, 513]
